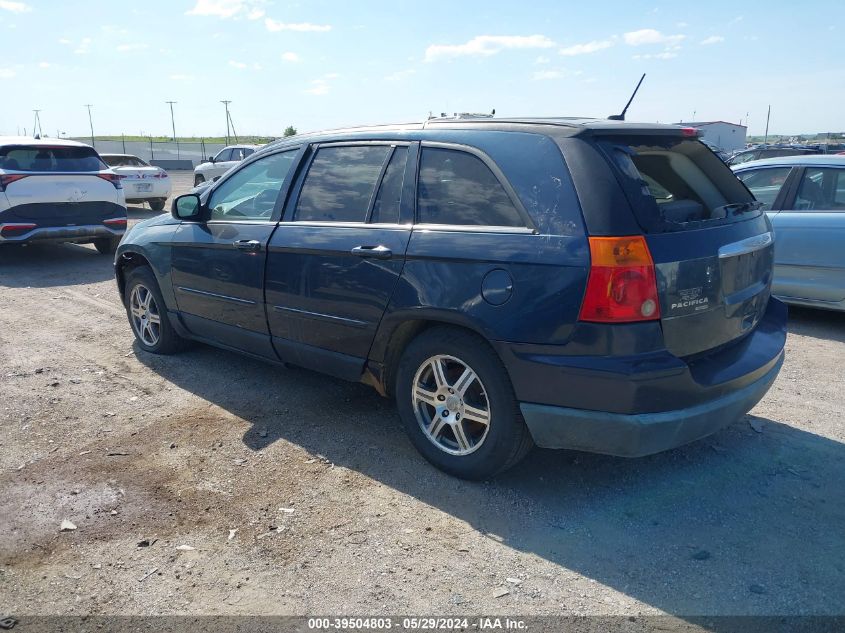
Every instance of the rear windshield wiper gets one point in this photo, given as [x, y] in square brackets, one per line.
[739, 207]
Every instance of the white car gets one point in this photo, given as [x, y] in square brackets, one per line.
[61, 191]
[141, 181]
[224, 160]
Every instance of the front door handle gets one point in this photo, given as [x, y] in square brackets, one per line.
[250, 246]
[378, 252]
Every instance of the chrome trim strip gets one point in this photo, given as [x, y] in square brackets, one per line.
[748, 245]
[325, 317]
[214, 295]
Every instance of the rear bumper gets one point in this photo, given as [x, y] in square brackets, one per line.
[636, 435]
[62, 233]
[159, 189]
[643, 403]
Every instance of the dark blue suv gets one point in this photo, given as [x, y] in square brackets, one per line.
[584, 284]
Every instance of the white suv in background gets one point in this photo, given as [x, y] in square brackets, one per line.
[61, 191]
[226, 158]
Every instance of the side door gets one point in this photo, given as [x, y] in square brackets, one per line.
[334, 261]
[809, 233]
[769, 185]
[218, 264]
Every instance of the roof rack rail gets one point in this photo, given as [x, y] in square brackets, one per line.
[464, 115]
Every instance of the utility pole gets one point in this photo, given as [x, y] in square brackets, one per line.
[226, 104]
[768, 114]
[173, 123]
[37, 124]
[90, 122]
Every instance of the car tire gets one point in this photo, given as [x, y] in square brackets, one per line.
[157, 204]
[147, 313]
[465, 446]
[198, 179]
[106, 245]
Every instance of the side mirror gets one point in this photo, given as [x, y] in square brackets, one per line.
[210, 159]
[187, 207]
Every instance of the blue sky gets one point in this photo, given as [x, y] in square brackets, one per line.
[324, 63]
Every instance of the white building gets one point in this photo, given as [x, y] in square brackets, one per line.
[728, 137]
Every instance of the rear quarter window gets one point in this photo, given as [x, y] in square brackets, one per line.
[41, 158]
[676, 184]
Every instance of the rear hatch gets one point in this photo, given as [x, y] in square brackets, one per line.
[58, 186]
[712, 247]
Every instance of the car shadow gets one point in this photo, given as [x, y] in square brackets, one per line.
[746, 522]
[48, 265]
[823, 324]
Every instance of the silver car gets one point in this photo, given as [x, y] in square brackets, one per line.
[805, 199]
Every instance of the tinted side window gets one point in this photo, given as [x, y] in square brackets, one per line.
[458, 188]
[821, 189]
[247, 151]
[765, 183]
[222, 155]
[250, 194]
[386, 206]
[340, 184]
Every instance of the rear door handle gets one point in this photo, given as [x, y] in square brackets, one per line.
[378, 252]
[247, 245]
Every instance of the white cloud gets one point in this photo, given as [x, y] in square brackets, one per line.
[544, 75]
[486, 45]
[235, 64]
[318, 87]
[7, 73]
[583, 49]
[228, 8]
[682, 25]
[542, 59]
[399, 75]
[14, 7]
[84, 46]
[663, 55]
[331, 75]
[44, 65]
[290, 56]
[736, 20]
[275, 26]
[65, 41]
[713, 39]
[650, 36]
[125, 48]
[180, 77]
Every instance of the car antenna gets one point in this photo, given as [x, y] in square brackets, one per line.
[621, 116]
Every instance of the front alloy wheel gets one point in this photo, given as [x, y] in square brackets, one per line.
[145, 315]
[451, 405]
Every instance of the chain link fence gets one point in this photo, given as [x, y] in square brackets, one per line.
[152, 150]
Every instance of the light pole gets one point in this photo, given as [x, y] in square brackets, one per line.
[37, 125]
[90, 122]
[173, 123]
[226, 104]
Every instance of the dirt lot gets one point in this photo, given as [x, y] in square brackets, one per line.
[298, 493]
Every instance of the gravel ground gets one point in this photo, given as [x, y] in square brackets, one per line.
[208, 483]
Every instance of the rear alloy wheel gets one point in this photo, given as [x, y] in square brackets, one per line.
[106, 245]
[198, 179]
[147, 313]
[457, 404]
[157, 204]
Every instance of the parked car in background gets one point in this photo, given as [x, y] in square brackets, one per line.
[760, 153]
[58, 190]
[585, 284]
[141, 181]
[805, 199]
[224, 160]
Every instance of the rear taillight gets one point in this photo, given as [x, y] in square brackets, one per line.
[161, 174]
[622, 286]
[16, 229]
[7, 179]
[113, 179]
[115, 222]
